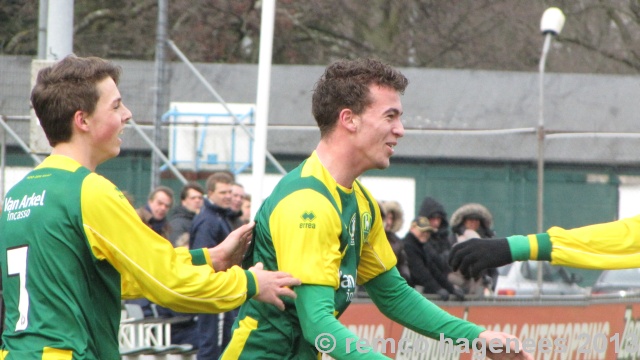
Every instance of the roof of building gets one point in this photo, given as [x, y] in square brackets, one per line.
[436, 101]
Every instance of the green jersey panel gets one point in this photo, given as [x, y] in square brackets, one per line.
[323, 234]
[44, 252]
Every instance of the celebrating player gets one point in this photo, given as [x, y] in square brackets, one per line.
[321, 225]
[71, 244]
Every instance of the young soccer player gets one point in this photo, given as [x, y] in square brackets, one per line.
[321, 225]
[71, 245]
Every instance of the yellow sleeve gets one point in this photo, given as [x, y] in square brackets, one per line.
[376, 255]
[613, 245]
[148, 264]
[307, 249]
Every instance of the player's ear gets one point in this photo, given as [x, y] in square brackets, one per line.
[348, 119]
[80, 120]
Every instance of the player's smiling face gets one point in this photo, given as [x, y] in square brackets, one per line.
[107, 121]
[380, 128]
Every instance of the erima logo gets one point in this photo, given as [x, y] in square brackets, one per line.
[308, 217]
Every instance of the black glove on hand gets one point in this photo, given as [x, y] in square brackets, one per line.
[474, 255]
[444, 294]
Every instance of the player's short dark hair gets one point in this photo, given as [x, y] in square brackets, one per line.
[345, 84]
[66, 87]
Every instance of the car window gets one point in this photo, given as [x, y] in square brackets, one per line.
[529, 270]
[625, 276]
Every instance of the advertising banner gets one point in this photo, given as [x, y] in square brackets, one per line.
[576, 330]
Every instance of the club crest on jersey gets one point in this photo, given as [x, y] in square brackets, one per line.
[307, 220]
[367, 222]
[352, 230]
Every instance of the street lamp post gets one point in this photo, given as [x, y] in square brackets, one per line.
[550, 26]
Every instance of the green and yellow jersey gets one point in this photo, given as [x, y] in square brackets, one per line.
[332, 239]
[612, 245]
[71, 246]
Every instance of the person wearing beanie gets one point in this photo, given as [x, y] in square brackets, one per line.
[433, 210]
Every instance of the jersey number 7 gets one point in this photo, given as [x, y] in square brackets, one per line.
[17, 265]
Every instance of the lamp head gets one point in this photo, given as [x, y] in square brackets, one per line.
[552, 21]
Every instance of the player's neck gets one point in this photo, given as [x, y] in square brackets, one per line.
[338, 162]
[77, 153]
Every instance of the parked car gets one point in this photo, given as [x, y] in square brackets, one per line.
[521, 279]
[623, 283]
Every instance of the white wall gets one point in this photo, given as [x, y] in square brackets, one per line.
[11, 177]
[629, 200]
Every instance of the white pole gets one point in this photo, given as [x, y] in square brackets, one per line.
[262, 102]
[59, 29]
[541, 132]
[43, 13]
[550, 25]
[160, 91]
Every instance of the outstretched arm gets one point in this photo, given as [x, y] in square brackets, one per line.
[613, 245]
[321, 329]
[400, 303]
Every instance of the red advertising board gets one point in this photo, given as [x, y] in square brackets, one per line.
[575, 330]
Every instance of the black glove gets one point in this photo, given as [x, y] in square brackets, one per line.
[474, 255]
[444, 294]
[459, 294]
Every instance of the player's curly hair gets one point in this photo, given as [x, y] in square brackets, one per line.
[345, 84]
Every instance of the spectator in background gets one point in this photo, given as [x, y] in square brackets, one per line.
[428, 273]
[154, 213]
[470, 221]
[237, 196]
[209, 227]
[439, 239]
[181, 216]
[391, 212]
[246, 209]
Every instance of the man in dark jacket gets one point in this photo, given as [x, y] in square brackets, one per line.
[181, 217]
[209, 227]
[439, 239]
[425, 266]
